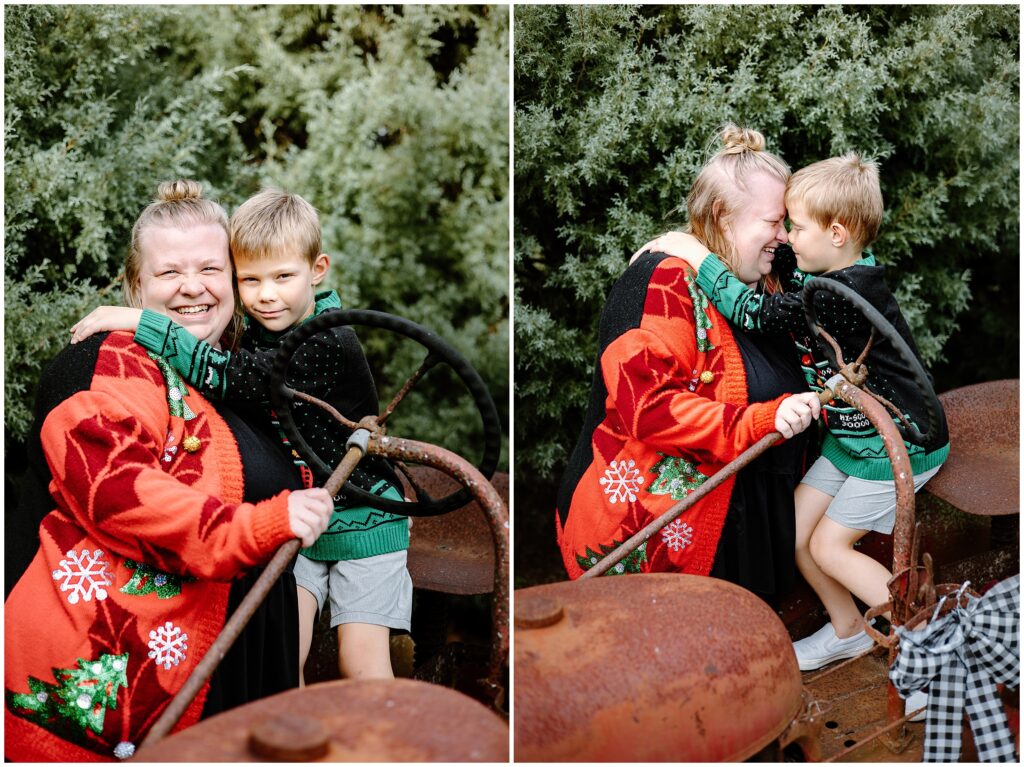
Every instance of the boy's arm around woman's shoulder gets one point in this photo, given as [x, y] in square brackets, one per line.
[745, 307]
[242, 375]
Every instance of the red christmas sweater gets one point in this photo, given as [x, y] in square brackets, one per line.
[668, 409]
[129, 587]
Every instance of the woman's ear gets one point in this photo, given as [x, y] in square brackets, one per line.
[320, 267]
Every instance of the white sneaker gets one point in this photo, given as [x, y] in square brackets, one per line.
[914, 701]
[823, 646]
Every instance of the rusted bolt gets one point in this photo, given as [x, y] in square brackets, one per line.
[538, 613]
[289, 738]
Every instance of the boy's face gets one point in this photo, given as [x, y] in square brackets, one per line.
[815, 252]
[280, 292]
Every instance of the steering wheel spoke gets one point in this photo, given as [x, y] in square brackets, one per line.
[428, 362]
[898, 415]
[324, 406]
[421, 493]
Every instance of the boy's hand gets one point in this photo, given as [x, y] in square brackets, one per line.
[796, 412]
[678, 244]
[309, 511]
[105, 318]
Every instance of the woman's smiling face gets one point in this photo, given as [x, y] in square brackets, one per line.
[757, 225]
[186, 275]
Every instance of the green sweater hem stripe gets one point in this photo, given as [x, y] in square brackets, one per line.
[878, 468]
[383, 539]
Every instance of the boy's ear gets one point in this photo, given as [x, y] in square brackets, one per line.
[839, 234]
[320, 267]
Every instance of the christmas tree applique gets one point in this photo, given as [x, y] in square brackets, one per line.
[176, 391]
[677, 477]
[78, 701]
[146, 579]
[630, 564]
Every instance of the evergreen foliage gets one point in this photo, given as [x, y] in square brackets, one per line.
[392, 122]
[615, 109]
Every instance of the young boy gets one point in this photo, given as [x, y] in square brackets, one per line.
[360, 561]
[835, 210]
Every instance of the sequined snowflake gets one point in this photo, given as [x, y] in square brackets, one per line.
[677, 535]
[621, 481]
[167, 645]
[84, 574]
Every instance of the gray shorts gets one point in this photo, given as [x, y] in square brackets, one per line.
[375, 590]
[859, 504]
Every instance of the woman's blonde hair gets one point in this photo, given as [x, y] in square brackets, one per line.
[178, 204]
[718, 190]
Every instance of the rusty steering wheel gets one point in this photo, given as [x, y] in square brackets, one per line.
[282, 397]
[883, 328]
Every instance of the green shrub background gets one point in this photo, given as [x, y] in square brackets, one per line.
[616, 107]
[393, 122]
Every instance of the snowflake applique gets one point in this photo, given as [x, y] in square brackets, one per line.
[677, 535]
[167, 645]
[85, 575]
[621, 481]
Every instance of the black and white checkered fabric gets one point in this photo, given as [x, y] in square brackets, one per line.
[960, 658]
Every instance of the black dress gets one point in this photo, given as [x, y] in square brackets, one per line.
[756, 549]
[264, 660]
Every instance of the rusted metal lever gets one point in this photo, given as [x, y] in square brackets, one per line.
[233, 628]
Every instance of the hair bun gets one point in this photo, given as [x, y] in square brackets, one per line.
[737, 139]
[182, 189]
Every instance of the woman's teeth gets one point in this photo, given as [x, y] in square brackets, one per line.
[192, 309]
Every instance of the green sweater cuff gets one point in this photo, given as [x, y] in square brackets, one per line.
[711, 268]
[153, 330]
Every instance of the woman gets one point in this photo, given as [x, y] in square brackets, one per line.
[159, 500]
[678, 393]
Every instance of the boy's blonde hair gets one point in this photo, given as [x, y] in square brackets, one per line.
[718, 189]
[179, 204]
[274, 222]
[844, 189]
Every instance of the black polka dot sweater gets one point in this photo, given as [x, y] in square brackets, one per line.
[850, 441]
[330, 366]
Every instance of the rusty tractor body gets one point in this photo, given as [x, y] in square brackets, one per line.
[658, 667]
[378, 720]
